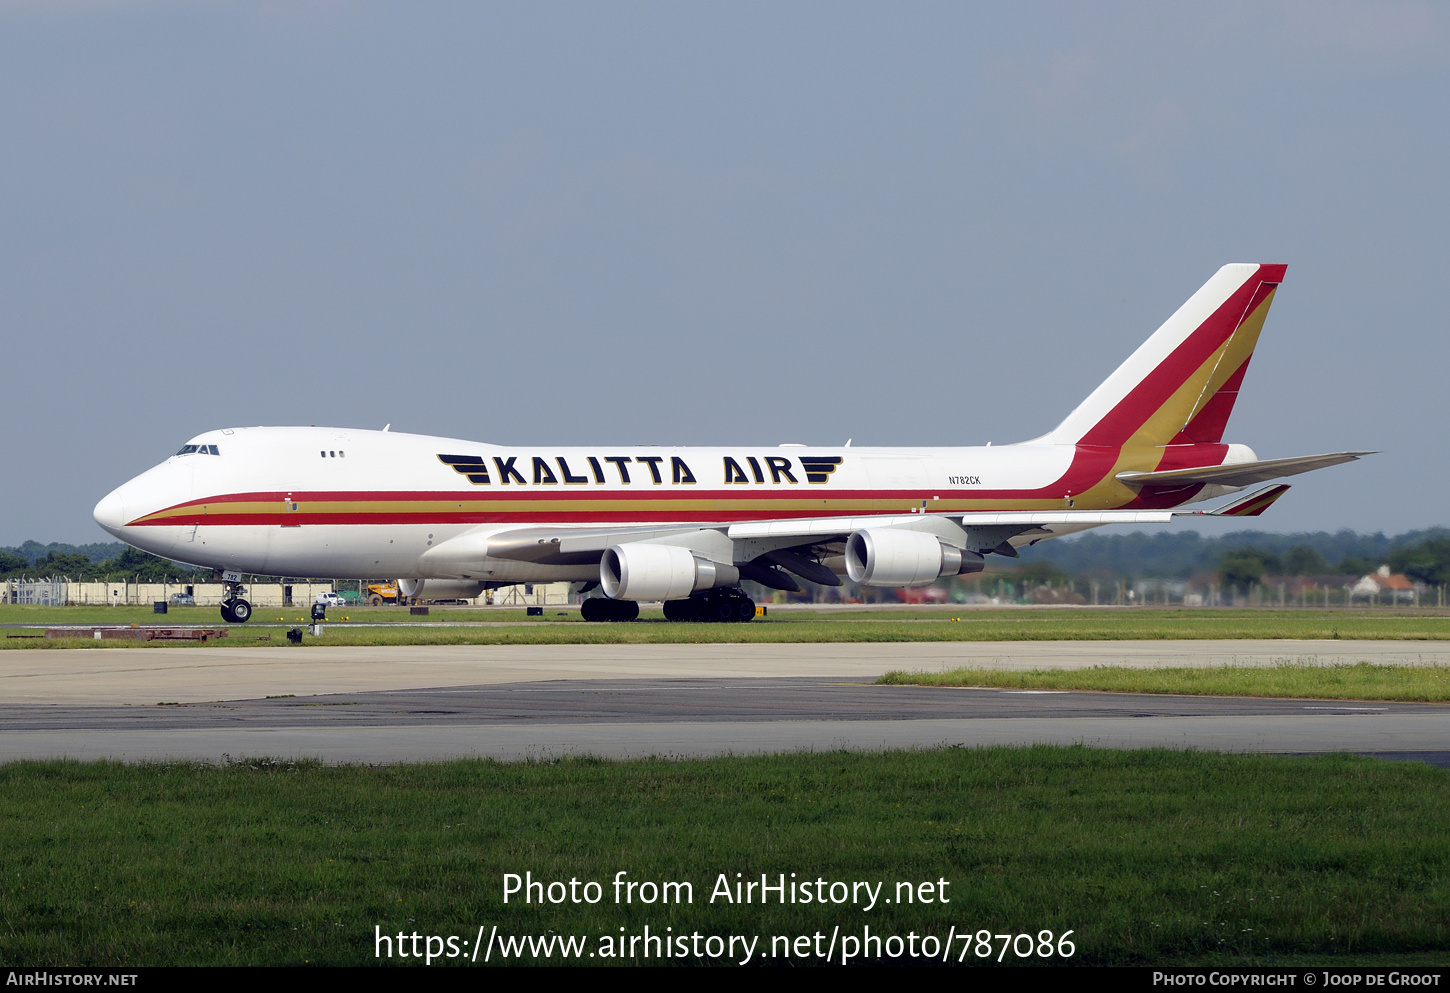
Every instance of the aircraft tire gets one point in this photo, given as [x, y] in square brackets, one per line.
[677, 610]
[241, 611]
[227, 614]
[745, 610]
[604, 609]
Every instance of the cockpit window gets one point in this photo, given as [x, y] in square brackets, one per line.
[198, 450]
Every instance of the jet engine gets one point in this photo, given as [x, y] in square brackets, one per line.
[439, 589]
[898, 557]
[640, 570]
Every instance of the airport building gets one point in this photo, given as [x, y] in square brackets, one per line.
[56, 592]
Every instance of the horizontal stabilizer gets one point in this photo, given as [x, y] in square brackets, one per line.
[1240, 473]
[1252, 505]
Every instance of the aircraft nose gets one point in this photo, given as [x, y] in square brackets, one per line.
[110, 513]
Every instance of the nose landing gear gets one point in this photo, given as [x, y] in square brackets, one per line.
[236, 610]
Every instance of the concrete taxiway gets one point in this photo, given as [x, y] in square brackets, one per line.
[419, 703]
[220, 672]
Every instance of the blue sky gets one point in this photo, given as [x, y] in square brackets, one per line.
[708, 224]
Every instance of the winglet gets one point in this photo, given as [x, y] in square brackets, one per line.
[1249, 506]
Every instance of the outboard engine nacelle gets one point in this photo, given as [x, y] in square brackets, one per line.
[639, 570]
[898, 557]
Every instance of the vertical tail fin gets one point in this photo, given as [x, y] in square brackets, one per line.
[1179, 387]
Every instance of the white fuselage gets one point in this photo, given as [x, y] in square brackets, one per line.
[352, 503]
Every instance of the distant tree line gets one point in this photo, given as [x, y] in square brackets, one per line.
[81, 563]
[34, 551]
[1427, 561]
[1179, 555]
[1240, 560]
[1243, 567]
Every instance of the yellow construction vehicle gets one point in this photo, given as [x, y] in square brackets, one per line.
[381, 593]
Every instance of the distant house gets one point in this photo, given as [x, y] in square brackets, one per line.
[1383, 585]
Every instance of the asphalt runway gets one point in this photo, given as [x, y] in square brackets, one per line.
[419, 703]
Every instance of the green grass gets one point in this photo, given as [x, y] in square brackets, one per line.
[1149, 857]
[476, 627]
[1360, 681]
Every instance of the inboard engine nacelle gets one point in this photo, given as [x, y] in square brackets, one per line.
[897, 557]
[439, 589]
[640, 570]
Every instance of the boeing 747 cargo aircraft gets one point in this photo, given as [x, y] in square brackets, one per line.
[451, 518]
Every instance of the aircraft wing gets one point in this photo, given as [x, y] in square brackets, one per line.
[1241, 473]
[987, 531]
[578, 544]
[762, 549]
[1023, 520]
[766, 551]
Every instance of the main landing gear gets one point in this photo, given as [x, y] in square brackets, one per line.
[603, 609]
[717, 605]
[724, 604]
[236, 610]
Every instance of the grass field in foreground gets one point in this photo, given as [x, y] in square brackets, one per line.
[474, 628]
[1146, 856]
[1360, 681]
